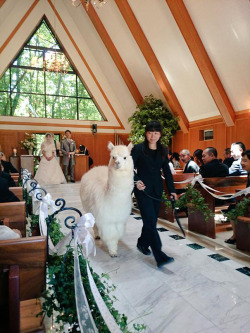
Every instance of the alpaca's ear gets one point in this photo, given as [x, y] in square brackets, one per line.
[130, 147]
[110, 146]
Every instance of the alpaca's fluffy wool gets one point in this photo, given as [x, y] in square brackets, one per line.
[106, 193]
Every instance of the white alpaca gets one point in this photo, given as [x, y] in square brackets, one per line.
[106, 193]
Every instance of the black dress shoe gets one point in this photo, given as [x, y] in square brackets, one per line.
[143, 250]
[168, 260]
[230, 241]
[73, 181]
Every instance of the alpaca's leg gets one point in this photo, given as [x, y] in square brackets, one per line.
[96, 232]
[112, 247]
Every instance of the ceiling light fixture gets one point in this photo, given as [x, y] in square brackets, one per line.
[86, 3]
[55, 62]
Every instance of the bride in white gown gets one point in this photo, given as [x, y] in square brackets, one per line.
[49, 171]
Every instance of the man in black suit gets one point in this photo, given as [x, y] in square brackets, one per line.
[212, 167]
[228, 158]
[5, 194]
[7, 166]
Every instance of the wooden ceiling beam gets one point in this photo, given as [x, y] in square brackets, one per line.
[114, 53]
[199, 53]
[85, 63]
[18, 26]
[2, 2]
[153, 62]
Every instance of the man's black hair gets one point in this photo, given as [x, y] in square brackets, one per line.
[212, 150]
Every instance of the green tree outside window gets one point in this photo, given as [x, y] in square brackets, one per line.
[26, 90]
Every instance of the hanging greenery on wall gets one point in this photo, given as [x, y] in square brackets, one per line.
[152, 109]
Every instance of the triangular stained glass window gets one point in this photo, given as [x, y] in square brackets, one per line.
[31, 88]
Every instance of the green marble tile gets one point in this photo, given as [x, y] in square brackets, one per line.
[244, 270]
[162, 229]
[195, 246]
[176, 237]
[218, 257]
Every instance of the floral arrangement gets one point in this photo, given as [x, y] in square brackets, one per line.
[29, 142]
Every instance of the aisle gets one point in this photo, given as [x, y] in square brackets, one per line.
[200, 292]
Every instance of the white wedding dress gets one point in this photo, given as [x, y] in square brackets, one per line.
[49, 172]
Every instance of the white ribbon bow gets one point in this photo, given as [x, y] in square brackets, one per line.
[82, 233]
[44, 211]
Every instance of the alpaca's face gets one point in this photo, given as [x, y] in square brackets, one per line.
[119, 157]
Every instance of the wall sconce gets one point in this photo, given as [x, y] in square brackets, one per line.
[94, 129]
[14, 152]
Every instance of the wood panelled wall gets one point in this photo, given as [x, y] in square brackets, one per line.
[223, 136]
[96, 144]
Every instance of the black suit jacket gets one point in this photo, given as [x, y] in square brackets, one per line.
[7, 176]
[214, 169]
[5, 194]
[8, 167]
[149, 170]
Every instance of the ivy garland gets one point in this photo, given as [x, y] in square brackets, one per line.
[60, 293]
[59, 296]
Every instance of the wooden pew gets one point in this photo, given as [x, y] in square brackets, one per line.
[242, 229]
[179, 177]
[228, 185]
[22, 279]
[15, 177]
[16, 212]
[18, 191]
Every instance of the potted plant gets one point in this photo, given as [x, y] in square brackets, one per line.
[152, 109]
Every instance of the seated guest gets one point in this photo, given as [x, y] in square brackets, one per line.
[171, 166]
[228, 158]
[5, 194]
[7, 176]
[245, 163]
[235, 169]
[176, 160]
[198, 157]
[8, 167]
[212, 167]
[190, 166]
[8, 233]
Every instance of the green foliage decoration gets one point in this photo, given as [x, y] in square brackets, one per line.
[152, 109]
[239, 210]
[59, 296]
[193, 200]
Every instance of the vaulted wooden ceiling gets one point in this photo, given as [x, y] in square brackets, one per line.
[193, 54]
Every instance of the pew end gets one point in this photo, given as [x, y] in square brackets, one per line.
[227, 185]
[16, 213]
[22, 278]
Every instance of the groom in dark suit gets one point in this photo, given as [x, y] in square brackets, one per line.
[68, 148]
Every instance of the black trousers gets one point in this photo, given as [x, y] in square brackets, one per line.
[149, 209]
